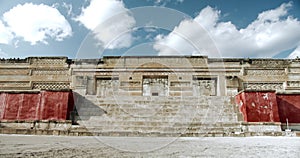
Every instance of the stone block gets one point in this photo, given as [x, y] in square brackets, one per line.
[9, 130]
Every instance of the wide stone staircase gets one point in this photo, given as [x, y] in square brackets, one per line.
[156, 116]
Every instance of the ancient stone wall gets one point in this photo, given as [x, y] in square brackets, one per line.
[136, 84]
[35, 73]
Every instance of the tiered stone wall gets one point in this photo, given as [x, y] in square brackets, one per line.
[35, 73]
[184, 79]
[34, 89]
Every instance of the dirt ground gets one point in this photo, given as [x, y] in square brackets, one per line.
[68, 146]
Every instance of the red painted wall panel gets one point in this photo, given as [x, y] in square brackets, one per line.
[289, 107]
[258, 106]
[13, 102]
[46, 105]
[29, 106]
[54, 105]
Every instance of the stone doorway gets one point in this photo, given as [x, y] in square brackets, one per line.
[205, 86]
[107, 86]
[155, 86]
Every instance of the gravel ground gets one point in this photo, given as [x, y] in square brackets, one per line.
[68, 146]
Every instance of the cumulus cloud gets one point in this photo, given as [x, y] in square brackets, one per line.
[165, 2]
[189, 37]
[68, 7]
[5, 34]
[161, 2]
[269, 34]
[110, 22]
[36, 23]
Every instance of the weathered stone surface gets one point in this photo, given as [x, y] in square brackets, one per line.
[190, 95]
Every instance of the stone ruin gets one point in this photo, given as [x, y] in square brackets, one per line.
[149, 96]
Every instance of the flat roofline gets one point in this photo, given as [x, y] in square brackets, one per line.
[164, 56]
[204, 56]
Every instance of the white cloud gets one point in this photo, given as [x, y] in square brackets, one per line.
[5, 34]
[189, 37]
[68, 7]
[110, 21]
[165, 2]
[3, 54]
[295, 53]
[157, 2]
[271, 33]
[36, 23]
[162, 2]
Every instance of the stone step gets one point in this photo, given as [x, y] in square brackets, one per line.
[155, 119]
[170, 129]
[182, 107]
[114, 109]
[159, 125]
[153, 112]
[163, 129]
[155, 102]
[158, 114]
[155, 116]
[160, 101]
[85, 132]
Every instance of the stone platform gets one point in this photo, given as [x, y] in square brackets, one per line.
[149, 96]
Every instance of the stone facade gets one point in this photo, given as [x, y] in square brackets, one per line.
[35, 73]
[173, 95]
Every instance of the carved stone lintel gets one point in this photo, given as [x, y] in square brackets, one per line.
[50, 72]
[293, 84]
[51, 85]
[14, 84]
[48, 60]
[265, 72]
[267, 63]
[263, 86]
[205, 87]
[14, 71]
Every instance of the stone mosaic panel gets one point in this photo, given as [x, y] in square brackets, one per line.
[205, 86]
[48, 61]
[259, 72]
[270, 63]
[155, 86]
[293, 84]
[263, 86]
[51, 72]
[51, 85]
[107, 86]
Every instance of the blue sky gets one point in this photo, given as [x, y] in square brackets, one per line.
[93, 28]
